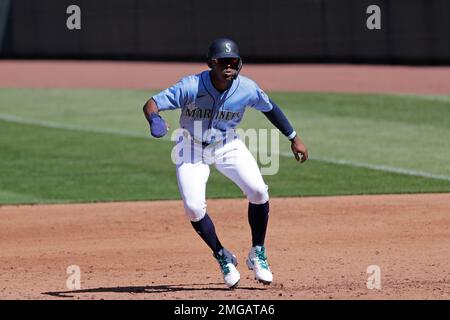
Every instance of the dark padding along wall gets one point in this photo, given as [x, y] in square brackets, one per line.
[412, 31]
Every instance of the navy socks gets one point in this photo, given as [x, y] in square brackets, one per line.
[258, 217]
[205, 228]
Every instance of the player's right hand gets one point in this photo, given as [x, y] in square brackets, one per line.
[158, 127]
[298, 147]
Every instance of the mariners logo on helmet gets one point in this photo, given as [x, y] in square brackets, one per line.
[223, 48]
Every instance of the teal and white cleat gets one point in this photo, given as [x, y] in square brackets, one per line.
[228, 262]
[257, 261]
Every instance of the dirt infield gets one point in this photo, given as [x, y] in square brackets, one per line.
[319, 247]
[280, 77]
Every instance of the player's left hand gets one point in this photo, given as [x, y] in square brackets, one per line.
[298, 147]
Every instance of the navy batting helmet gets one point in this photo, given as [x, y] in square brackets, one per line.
[224, 48]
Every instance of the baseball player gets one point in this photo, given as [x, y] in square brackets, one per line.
[212, 104]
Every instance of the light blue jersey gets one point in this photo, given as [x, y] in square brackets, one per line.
[217, 112]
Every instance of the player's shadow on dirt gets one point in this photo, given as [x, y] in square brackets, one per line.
[150, 289]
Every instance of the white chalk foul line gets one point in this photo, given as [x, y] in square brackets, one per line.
[56, 125]
[378, 167]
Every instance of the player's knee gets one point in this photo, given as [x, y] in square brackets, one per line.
[259, 195]
[195, 210]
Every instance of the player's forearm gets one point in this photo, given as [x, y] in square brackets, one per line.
[150, 107]
[158, 127]
[279, 120]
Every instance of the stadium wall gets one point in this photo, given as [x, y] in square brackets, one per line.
[412, 31]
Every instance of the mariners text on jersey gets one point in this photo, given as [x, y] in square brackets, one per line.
[207, 113]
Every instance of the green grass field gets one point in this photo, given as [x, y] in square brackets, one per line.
[83, 145]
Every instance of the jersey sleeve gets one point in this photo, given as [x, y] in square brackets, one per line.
[173, 97]
[261, 101]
